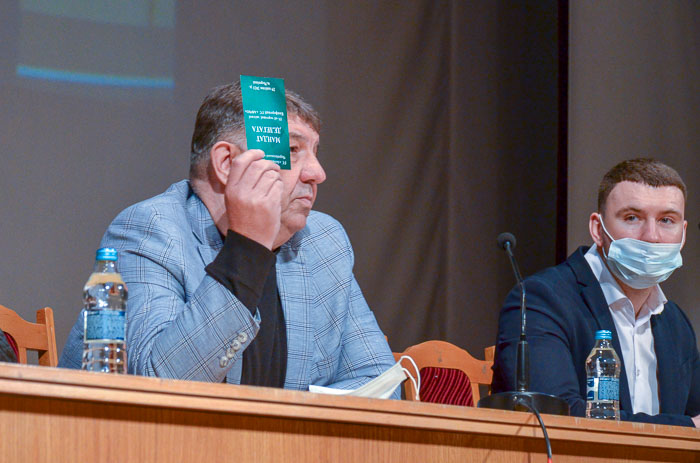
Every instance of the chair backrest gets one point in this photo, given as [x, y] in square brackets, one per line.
[443, 355]
[489, 356]
[39, 336]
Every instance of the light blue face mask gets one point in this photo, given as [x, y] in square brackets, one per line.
[640, 264]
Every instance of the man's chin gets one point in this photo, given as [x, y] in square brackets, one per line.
[296, 223]
[292, 224]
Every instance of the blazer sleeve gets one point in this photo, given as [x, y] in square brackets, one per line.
[552, 366]
[686, 374]
[364, 353]
[693, 408]
[661, 418]
[170, 333]
[693, 404]
[552, 335]
[690, 379]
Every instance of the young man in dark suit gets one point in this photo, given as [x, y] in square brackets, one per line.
[638, 233]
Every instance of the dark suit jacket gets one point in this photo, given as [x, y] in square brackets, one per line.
[565, 308]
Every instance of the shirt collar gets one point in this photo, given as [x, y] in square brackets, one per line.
[614, 296]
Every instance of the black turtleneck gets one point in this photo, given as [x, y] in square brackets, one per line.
[248, 270]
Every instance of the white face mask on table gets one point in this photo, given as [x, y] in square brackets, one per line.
[640, 264]
[381, 387]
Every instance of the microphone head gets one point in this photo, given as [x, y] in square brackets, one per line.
[505, 238]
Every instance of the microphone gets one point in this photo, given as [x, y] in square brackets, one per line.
[506, 241]
[522, 399]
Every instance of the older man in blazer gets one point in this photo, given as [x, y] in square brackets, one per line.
[231, 276]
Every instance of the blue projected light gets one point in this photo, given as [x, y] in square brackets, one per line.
[94, 79]
[97, 43]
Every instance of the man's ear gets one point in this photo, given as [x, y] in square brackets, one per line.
[685, 230]
[221, 155]
[595, 228]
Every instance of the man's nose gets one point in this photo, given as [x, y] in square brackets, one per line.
[312, 171]
[650, 233]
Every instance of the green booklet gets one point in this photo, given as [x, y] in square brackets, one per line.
[265, 117]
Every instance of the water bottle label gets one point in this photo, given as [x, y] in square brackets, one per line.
[591, 389]
[105, 324]
[603, 388]
[608, 388]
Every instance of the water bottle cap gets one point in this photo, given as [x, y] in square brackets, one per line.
[106, 254]
[603, 334]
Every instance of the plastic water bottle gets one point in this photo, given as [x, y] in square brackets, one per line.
[603, 379]
[104, 298]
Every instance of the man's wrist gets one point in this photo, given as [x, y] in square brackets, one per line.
[242, 266]
[261, 241]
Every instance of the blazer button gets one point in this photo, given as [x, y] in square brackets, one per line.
[230, 353]
[236, 345]
[223, 361]
[242, 337]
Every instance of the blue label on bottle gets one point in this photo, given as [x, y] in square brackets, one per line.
[608, 388]
[105, 325]
[590, 389]
[603, 388]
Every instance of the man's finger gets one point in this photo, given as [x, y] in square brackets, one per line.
[266, 177]
[269, 184]
[241, 162]
[255, 171]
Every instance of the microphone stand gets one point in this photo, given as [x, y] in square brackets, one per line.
[522, 365]
[522, 399]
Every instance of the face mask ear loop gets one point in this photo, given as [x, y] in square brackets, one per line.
[602, 224]
[410, 376]
[683, 240]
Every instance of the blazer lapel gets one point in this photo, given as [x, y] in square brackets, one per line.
[204, 229]
[293, 284]
[666, 364]
[593, 296]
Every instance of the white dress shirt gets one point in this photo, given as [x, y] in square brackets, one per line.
[636, 337]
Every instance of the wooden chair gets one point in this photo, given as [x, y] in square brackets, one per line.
[441, 354]
[489, 353]
[489, 356]
[39, 336]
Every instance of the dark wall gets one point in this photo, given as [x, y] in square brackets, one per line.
[440, 131]
[635, 92]
[502, 174]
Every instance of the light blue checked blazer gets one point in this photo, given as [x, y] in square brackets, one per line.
[181, 323]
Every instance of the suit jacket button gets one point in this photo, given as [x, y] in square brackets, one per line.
[223, 361]
[236, 345]
[230, 353]
[242, 337]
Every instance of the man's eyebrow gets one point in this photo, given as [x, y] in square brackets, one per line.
[301, 138]
[627, 209]
[671, 212]
[298, 136]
